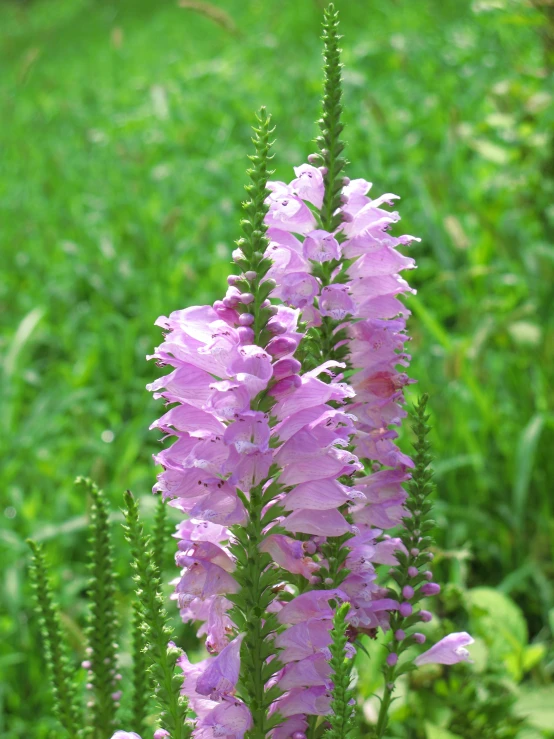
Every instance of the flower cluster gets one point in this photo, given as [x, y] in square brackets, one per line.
[283, 400]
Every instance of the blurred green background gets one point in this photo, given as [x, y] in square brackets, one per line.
[124, 136]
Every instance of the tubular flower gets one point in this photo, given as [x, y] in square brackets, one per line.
[447, 651]
[260, 464]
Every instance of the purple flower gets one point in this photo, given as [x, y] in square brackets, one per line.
[447, 651]
[308, 184]
[125, 735]
[321, 246]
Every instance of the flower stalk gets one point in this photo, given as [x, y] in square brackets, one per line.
[103, 679]
[62, 676]
[162, 652]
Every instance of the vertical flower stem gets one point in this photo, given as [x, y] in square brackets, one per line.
[163, 655]
[254, 242]
[102, 621]
[340, 719]
[61, 675]
[407, 573]
[329, 141]
[330, 157]
[256, 578]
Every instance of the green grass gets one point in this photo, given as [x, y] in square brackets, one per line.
[124, 140]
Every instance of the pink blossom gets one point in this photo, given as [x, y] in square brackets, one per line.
[448, 651]
[321, 246]
[308, 184]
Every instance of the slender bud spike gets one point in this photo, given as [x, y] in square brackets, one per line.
[330, 144]
[101, 621]
[62, 676]
[156, 630]
[340, 720]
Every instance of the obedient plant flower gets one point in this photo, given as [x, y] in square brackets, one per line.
[447, 651]
[283, 396]
[259, 464]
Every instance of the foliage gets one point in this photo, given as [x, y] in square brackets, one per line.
[119, 195]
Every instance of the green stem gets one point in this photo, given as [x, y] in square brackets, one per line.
[340, 718]
[254, 242]
[330, 144]
[382, 721]
[416, 541]
[162, 656]
[61, 675]
[102, 621]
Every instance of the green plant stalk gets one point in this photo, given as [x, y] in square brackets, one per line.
[102, 621]
[62, 677]
[329, 141]
[256, 578]
[159, 535]
[321, 341]
[142, 682]
[254, 573]
[340, 718]
[254, 242]
[162, 656]
[415, 538]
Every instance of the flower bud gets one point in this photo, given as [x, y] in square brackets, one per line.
[275, 326]
[407, 592]
[419, 638]
[399, 634]
[425, 616]
[413, 571]
[281, 346]
[250, 275]
[285, 367]
[392, 659]
[285, 386]
[309, 547]
[246, 319]
[405, 609]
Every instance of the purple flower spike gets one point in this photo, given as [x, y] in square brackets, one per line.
[447, 651]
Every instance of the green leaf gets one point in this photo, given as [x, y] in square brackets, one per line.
[436, 732]
[501, 624]
[532, 655]
[537, 707]
[525, 458]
